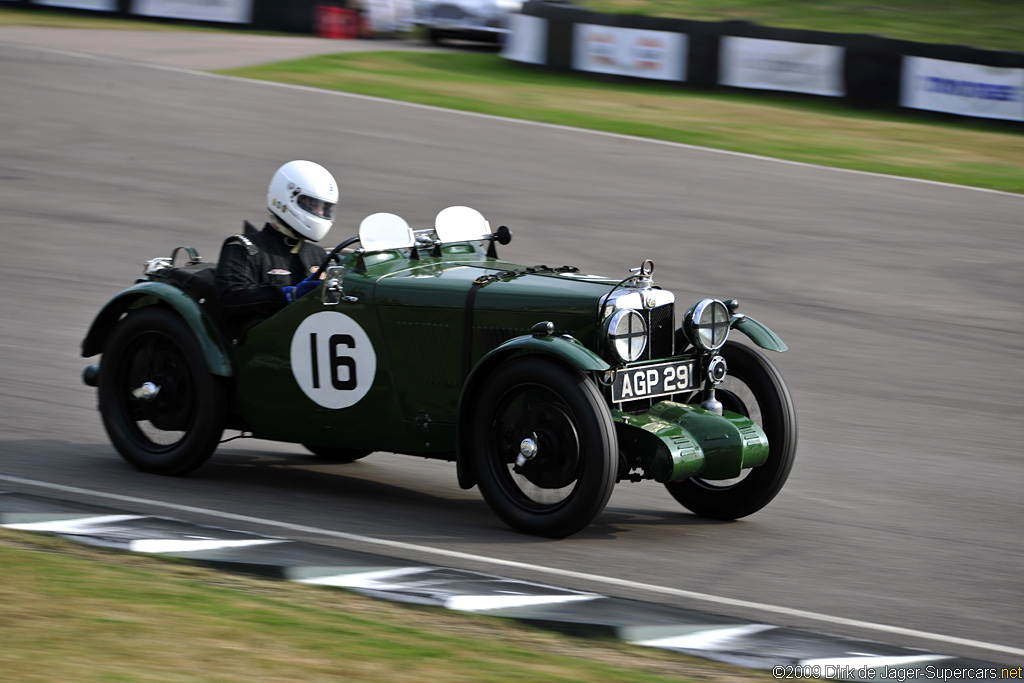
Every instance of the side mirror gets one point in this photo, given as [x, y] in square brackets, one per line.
[503, 235]
[333, 291]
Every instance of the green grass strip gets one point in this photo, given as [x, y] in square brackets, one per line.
[989, 24]
[73, 613]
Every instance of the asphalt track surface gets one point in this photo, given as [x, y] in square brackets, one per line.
[900, 301]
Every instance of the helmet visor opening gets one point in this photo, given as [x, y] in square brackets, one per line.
[317, 207]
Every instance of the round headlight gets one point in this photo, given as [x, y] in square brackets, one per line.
[627, 335]
[708, 324]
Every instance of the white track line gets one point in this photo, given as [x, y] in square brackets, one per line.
[539, 569]
[552, 126]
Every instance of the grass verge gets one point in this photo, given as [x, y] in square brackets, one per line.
[75, 613]
[990, 24]
[965, 153]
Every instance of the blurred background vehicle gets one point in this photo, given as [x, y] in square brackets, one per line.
[479, 20]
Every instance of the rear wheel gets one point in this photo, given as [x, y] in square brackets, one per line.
[754, 388]
[161, 407]
[337, 454]
[544, 447]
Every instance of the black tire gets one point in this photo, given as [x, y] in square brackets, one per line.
[177, 430]
[337, 454]
[568, 482]
[753, 388]
[435, 37]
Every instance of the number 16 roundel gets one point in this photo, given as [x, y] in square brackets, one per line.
[333, 361]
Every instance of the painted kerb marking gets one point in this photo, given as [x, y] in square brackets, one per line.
[540, 569]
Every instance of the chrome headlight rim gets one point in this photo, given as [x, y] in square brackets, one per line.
[707, 324]
[626, 335]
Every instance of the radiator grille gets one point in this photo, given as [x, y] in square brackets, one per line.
[660, 322]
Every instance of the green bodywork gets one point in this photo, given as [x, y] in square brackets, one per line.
[685, 441]
[415, 310]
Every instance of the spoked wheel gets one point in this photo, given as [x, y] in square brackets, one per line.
[337, 454]
[544, 447]
[753, 388]
[163, 410]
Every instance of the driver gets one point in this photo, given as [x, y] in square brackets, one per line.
[257, 272]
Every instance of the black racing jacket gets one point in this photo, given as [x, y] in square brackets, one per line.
[252, 269]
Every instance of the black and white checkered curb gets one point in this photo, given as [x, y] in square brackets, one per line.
[725, 639]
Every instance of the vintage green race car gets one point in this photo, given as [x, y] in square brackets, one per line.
[544, 385]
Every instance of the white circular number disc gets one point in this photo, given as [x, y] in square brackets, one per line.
[333, 360]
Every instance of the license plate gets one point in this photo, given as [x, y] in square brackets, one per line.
[653, 380]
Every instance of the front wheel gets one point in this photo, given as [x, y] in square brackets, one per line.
[754, 388]
[544, 447]
[161, 407]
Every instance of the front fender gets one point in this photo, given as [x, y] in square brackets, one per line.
[564, 349]
[156, 293]
[758, 333]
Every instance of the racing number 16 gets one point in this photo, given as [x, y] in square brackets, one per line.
[336, 360]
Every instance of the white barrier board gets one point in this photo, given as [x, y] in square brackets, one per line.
[94, 5]
[226, 11]
[781, 65]
[990, 92]
[527, 40]
[659, 55]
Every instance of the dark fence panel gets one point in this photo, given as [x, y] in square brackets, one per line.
[292, 16]
[943, 80]
[869, 75]
[287, 16]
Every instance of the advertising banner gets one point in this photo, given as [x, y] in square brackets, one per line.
[781, 65]
[94, 5]
[659, 55]
[226, 11]
[990, 92]
[527, 40]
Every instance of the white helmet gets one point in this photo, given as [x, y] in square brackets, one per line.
[302, 194]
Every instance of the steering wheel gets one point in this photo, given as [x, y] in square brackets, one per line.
[334, 252]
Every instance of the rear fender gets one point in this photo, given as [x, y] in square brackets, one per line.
[155, 294]
[562, 349]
